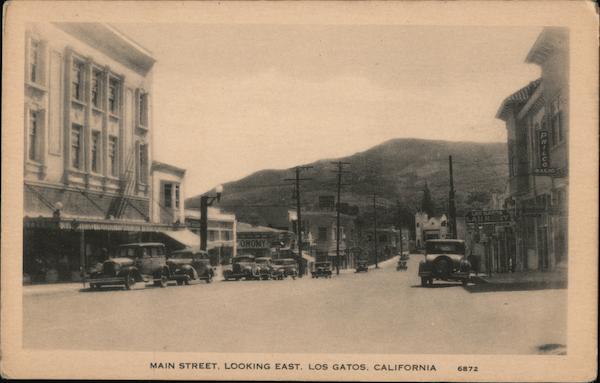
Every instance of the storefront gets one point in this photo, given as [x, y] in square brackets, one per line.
[59, 249]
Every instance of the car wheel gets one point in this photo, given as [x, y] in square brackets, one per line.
[179, 282]
[465, 282]
[93, 286]
[209, 278]
[190, 277]
[442, 266]
[424, 281]
[430, 281]
[164, 279]
[129, 281]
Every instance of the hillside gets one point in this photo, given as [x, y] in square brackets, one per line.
[396, 170]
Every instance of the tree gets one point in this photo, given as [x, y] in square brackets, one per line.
[427, 204]
[405, 218]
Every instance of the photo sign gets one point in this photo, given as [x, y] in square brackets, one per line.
[487, 216]
[253, 243]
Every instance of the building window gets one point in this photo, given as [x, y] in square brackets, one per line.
[168, 197]
[77, 80]
[97, 89]
[143, 109]
[34, 127]
[112, 155]
[34, 60]
[177, 196]
[226, 235]
[143, 163]
[95, 151]
[113, 96]
[212, 235]
[76, 146]
[556, 123]
[322, 234]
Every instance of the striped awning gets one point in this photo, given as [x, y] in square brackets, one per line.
[93, 224]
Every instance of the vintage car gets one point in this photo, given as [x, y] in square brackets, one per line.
[362, 265]
[288, 266]
[242, 266]
[132, 263]
[267, 270]
[321, 269]
[402, 265]
[404, 256]
[188, 265]
[444, 260]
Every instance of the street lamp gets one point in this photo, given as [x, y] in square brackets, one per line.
[205, 202]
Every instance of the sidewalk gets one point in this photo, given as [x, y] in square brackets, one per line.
[524, 280]
[52, 288]
[381, 264]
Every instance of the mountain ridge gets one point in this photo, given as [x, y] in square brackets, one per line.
[396, 170]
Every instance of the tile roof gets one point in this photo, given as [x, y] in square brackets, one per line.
[519, 97]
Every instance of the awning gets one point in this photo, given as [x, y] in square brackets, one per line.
[184, 236]
[93, 224]
[307, 257]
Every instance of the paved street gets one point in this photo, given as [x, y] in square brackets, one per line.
[382, 311]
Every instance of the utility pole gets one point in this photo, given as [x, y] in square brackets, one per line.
[297, 180]
[451, 205]
[375, 229]
[340, 166]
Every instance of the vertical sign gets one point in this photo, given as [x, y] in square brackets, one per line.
[543, 146]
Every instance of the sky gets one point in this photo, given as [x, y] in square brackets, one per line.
[233, 99]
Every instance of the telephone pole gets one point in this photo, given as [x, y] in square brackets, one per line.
[375, 229]
[339, 171]
[297, 180]
[451, 205]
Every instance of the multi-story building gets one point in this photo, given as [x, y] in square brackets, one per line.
[537, 126]
[88, 147]
[320, 232]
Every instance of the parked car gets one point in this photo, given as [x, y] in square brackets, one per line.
[242, 266]
[362, 265]
[444, 260]
[402, 265]
[267, 270]
[131, 263]
[188, 265]
[321, 270]
[288, 266]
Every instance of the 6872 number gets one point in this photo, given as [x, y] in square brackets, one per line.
[468, 368]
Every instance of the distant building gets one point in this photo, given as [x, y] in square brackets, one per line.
[320, 233]
[388, 243]
[222, 233]
[430, 228]
[537, 124]
[167, 193]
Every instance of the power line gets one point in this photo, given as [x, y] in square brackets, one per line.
[339, 171]
[297, 180]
